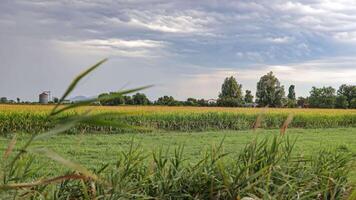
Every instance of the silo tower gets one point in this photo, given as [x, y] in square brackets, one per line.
[44, 97]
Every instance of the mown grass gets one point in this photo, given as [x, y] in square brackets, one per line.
[93, 150]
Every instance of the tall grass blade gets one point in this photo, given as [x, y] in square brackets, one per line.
[75, 82]
[105, 98]
[43, 182]
[10, 147]
[286, 124]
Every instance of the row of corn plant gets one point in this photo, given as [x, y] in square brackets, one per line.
[265, 169]
[185, 121]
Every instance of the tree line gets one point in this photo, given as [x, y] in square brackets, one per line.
[269, 92]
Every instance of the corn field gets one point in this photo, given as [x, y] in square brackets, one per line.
[33, 118]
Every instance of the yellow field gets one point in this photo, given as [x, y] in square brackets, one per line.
[33, 118]
[181, 109]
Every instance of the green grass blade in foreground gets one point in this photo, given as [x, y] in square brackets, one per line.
[75, 82]
[56, 157]
[10, 148]
[105, 98]
[42, 182]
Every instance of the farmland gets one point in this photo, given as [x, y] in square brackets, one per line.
[27, 118]
[160, 152]
[97, 149]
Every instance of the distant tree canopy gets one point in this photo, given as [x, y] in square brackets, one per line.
[166, 100]
[136, 99]
[112, 102]
[322, 97]
[140, 99]
[353, 103]
[231, 93]
[341, 102]
[3, 100]
[230, 88]
[248, 96]
[302, 102]
[191, 102]
[291, 101]
[291, 92]
[349, 92]
[55, 99]
[269, 91]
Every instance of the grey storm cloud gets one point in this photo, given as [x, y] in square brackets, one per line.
[173, 43]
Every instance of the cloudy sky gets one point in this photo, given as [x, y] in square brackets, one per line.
[186, 48]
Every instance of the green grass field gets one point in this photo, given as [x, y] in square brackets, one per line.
[94, 150]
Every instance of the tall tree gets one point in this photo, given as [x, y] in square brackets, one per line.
[230, 88]
[291, 101]
[291, 92]
[248, 97]
[349, 91]
[231, 93]
[269, 91]
[322, 97]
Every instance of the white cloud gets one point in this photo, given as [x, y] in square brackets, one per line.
[280, 40]
[280, 35]
[118, 47]
[305, 75]
[346, 36]
[190, 21]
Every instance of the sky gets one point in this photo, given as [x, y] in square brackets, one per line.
[185, 48]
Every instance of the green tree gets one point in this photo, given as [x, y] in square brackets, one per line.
[322, 97]
[3, 100]
[191, 102]
[341, 102]
[269, 91]
[166, 100]
[349, 91]
[353, 103]
[229, 102]
[140, 99]
[231, 93]
[55, 99]
[112, 102]
[128, 100]
[291, 102]
[203, 102]
[291, 92]
[248, 97]
[230, 88]
[302, 102]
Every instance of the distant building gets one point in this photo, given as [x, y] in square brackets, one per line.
[211, 101]
[44, 98]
